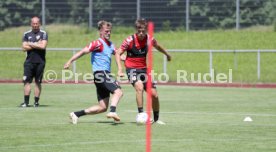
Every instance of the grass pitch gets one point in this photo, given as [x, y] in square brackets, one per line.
[198, 120]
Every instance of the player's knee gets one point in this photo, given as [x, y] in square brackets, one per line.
[154, 94]
[38, 84]
[119, 92]
[102, 109]
[139, 87]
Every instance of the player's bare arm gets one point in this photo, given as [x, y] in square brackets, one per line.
[76, 56]
[118, 54]
[162, 50]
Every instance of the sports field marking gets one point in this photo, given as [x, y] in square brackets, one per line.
[175, 112]
[213, 113]
[133, 141]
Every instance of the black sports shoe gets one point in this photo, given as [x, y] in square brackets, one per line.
[36, 104]
[24, 105]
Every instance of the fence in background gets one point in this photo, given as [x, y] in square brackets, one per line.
[166, 14]
[258, 56]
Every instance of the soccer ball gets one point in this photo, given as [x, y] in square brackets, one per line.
[141, 118]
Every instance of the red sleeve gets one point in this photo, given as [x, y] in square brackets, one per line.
[95, 46]
[126, 44]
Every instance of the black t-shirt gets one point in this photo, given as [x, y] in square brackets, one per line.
[35, 55]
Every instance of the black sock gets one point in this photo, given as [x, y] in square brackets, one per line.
[140, 109]
[112, 109]
[26, 99]
[80, 113]
[156, 115]
[36, 99]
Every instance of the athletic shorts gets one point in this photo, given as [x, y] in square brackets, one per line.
[33, 70]
[105, 84]
[138, 74]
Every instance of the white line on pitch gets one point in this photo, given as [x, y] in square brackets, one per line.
[131, 141]
[213, 113]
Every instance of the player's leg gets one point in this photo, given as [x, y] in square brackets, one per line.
[99, 108]
[138, 85]
[117, 95]
[95, 109]
[39, 69]
[155, 105]
[27, 80]
[112, 86]
[139, 89]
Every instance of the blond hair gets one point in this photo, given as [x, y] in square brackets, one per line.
[102, 23]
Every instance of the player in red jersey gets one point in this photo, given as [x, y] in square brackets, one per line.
[136, 48]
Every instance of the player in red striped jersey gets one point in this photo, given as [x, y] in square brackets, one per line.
[136, 48]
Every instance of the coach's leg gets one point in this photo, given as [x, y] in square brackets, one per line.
[39, 68]
[27, 92]
[27, 80]
[37, 89]
[139, 88]
[37, 92]
[27, 89]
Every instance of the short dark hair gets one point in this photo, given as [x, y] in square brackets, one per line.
[102, 23]
[141, 22]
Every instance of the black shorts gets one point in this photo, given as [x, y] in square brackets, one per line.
[138, 74]
[33, 70]
[105, 84]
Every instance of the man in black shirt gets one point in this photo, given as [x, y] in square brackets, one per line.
[34, 43]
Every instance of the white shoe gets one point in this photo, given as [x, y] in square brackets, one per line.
[160, 122]
[113, 115]
[74, 118]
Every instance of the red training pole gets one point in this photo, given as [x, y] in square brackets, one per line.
[149, 86]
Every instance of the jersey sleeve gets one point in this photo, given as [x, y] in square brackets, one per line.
[95, 46]
[25, 38]
[45, 36]
[126, 43]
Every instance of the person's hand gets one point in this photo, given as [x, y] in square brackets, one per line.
[123, 57]
[169, 58]
[67, 65]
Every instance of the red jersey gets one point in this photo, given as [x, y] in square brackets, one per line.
[136, 51]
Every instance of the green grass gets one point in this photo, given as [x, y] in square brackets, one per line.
[243, 64]
[198, 119]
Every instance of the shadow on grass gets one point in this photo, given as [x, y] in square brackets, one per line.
[106, 122]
